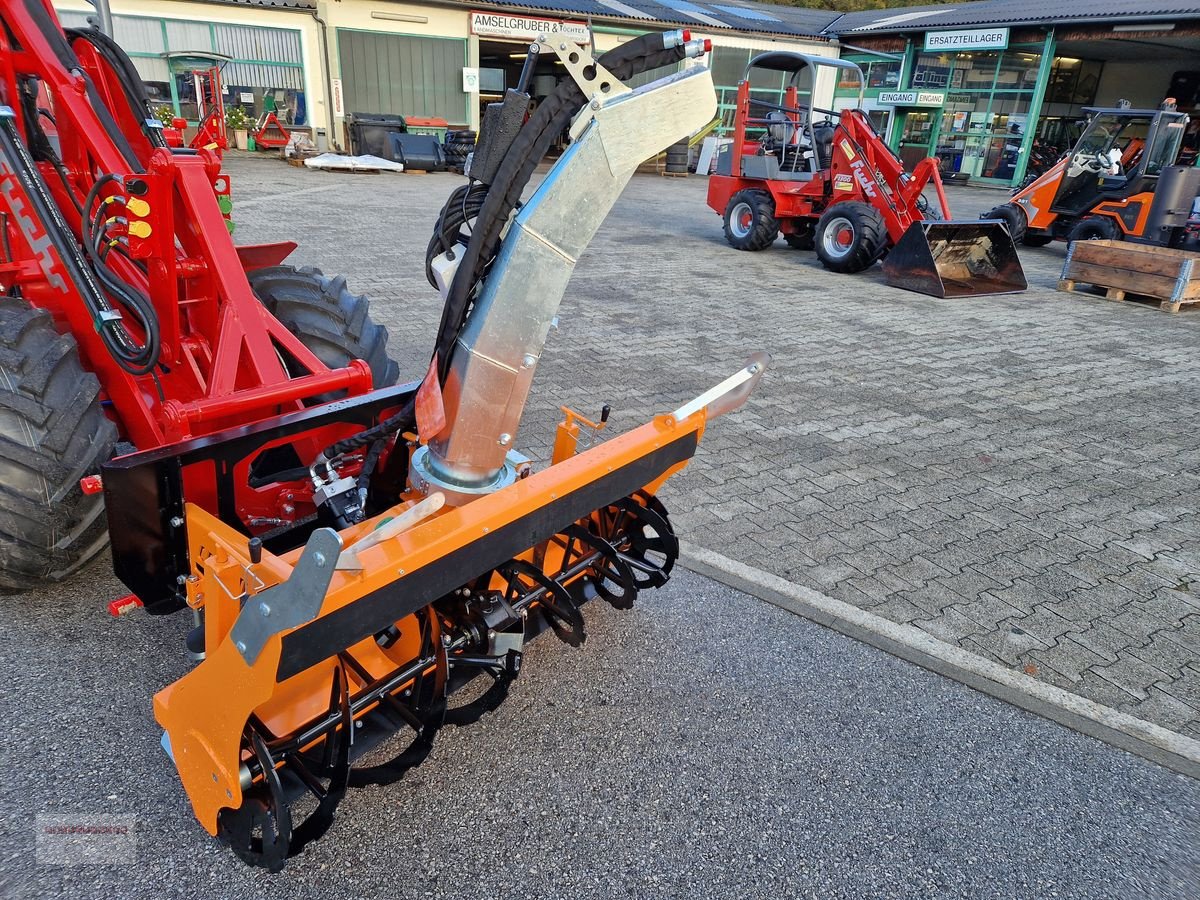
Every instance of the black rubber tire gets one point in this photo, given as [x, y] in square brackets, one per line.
[53, 432]
[332, 322]
[1032, 239]
[1012, 216]
[867, 242]
[1095, 228]
[760, 231]
[802, 238]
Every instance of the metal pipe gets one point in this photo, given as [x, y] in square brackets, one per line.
[322, 28]
[497, 354]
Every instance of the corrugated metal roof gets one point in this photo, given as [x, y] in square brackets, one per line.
[1011, 12]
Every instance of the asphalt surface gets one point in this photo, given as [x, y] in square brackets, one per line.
[704, 744]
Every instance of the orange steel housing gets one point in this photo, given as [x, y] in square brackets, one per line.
[206, 711]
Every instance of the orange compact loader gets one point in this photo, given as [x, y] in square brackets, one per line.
[1105, 187]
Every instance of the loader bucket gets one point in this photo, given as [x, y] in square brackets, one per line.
[955, 259]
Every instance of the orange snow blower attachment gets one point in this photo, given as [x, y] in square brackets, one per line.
[353, 563]
[955, 259]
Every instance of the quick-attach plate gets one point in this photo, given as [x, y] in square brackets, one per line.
[287, 605]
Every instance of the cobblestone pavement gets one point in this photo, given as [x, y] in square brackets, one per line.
[1016, 475]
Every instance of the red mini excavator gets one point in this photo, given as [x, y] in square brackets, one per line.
[836, 186]
[353, 550]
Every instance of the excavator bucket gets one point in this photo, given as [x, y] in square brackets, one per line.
[955, 259]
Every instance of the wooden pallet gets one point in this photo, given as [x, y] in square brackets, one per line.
[667, 174]
[1122, 269]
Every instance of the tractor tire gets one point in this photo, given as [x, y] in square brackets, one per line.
[52, 433]
[801, 239]
[1036, 239]
[1095, 228]
[850, 237]
[750, 222]
[332, 322]
[1013, 217]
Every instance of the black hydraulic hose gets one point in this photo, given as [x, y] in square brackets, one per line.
[127, 75]
[528, 149]
[66, 57]
[133, 358]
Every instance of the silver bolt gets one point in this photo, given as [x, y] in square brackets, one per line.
[181, 579]
[504, 439]
[527, 360]
[319, 560]
[177, 522]
[562, 46]
[492, 633]
[595, 104]
[264, 608]
[241, 646]
[754, 368]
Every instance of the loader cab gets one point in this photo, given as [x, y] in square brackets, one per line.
[1120, 153]
[788, 141]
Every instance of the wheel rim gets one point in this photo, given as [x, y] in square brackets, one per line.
[837, 239]
[741, 220]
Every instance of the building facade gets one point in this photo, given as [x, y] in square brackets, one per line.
[316, 63]
[993, 88]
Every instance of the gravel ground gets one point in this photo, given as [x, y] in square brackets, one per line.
[703, 745]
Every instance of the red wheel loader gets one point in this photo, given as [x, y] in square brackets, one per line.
[353, 550]
[836, 186]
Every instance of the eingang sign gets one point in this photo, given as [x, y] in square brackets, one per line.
[527, 28]
[971, 39]
[912, 98]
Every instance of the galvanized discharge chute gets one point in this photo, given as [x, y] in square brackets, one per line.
[955, 259]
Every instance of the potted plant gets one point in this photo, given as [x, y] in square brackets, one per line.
[166, 115]
[237, 122]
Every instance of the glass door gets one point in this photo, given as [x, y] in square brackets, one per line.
[916, 135]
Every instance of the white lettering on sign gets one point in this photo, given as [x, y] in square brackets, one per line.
[972, 39]
[527, 28]
[912, 98]
[864, 180]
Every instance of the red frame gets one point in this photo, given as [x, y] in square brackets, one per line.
[210, 100]
[222, 352]
[873, 172]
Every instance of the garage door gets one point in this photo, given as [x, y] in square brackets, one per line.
[403, 75]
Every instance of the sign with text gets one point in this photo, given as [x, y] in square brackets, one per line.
[970, 39]
[912, 98]
[339, 103]
[527, 28]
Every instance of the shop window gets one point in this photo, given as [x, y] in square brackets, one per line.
[1018, 69]
[932, 70]
[884, 75]
[728, 65]
[1073, 81]
[878, 74]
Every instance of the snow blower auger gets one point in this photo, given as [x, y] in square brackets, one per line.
[343, 594]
